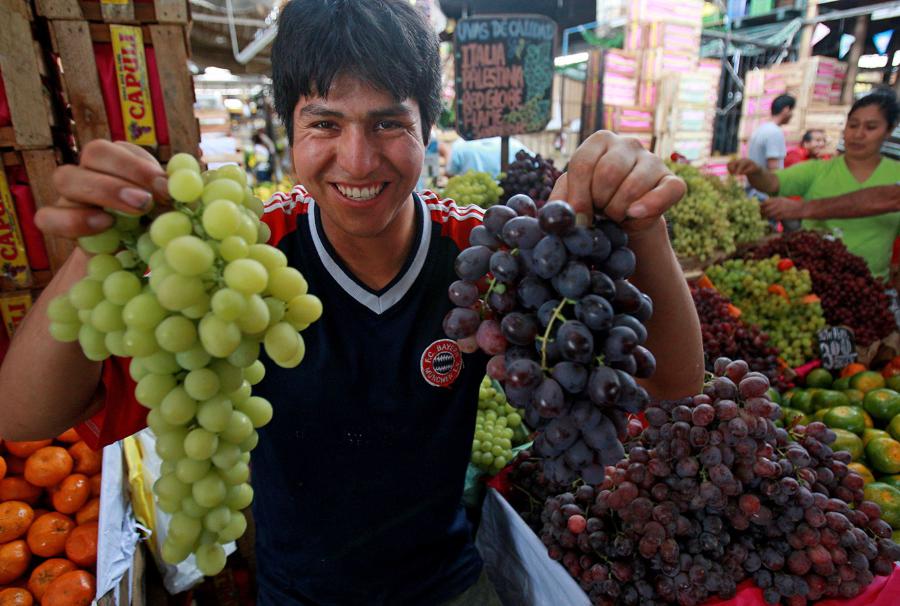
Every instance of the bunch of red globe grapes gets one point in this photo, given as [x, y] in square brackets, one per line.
[849, 294]
[725, 335]
[533, 175]
[551, 302]
[713, 493]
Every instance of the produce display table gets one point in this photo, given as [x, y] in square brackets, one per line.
[524, 575]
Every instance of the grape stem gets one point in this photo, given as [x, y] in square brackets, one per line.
[556, 315]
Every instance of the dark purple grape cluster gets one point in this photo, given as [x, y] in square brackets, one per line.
[713, 493]
[532, 175]
[550, 301]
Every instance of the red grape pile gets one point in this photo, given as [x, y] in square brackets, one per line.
[725, 335]
[850, 295]
[550, 301]
[530, 174]
[712, 493]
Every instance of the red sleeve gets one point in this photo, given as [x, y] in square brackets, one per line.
[795, 156]
[457, 222]
[282, 211]
[121, 415]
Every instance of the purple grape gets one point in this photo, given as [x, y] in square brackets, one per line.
[634, 324]
[473, 262]
[463, 293]
[532, 292]
[522, 232]
[523, 205]
[646, 362]
[461, 322]
[614, 233]
[557, 218]
[627, 298]
[523, 373]
[571, 377]
[579, 241]
[576, 343]
[604, 386]
[480, 236]
[549, 257]
[490, 338]
[620, 264]
[601, 246]
[504, 266]
[519, 328]
[620, 342]
[595, 311]
[602, 285]
[496, 217]
[573, 281]
[548, 399]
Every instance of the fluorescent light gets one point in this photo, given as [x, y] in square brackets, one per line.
[570, 59]
[886, 13]
[873, 61]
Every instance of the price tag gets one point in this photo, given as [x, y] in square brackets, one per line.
[895, 305]
[837, 348]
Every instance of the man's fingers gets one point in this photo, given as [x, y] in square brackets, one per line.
[72, 221]
[658, 200]
[83, 186]
[127, 162]
[643, 177]
[609, 176]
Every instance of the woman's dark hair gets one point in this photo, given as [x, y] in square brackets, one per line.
[387, 43]
[808, 135]
[886, 100]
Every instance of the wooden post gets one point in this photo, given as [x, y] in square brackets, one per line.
[504, 153]
[860, 30]
[812, 10]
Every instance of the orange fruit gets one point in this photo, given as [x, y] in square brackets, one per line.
[81, 546]
[24, 449]
[49, 533]
[74, 588]
[852, 369]
[14, 465]
[45, 573]
[70, 435]
[48, 466]
[19, 489]
[89, 513]
[87, 461]
[14, 559]
[71, 494]
[16, 596]
[2, 468]
[15, 518]
[96, 482]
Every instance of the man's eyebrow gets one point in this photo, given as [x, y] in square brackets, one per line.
[317, 110]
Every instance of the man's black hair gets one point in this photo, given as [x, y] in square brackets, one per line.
[387, 43]
[781, 102]
[886, 100]
[808, 135]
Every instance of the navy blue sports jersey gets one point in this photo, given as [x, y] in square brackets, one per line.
[358, 480]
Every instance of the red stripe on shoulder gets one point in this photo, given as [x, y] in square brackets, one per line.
[456, 221]
[121, 414]
[282, 211]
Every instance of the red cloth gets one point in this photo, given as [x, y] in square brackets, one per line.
[25, 209]
[121, 415]
[5, 116]
[884, 591]
[795, 155]
[106, 70]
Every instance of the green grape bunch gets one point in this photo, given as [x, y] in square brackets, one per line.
[498, 428]
[781, 302]
[473, 187]
[191, 296]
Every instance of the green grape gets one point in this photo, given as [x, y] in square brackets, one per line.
[287, 283]
[191, 508]
[240, 395]
[221, 219]
[282, 342]
[210, 490]
[185, 185]
[255, 372]
[191, 470]
[65, 332]
[106, 242]
[233, 248]
[169, 226]
[93, 343]
[245, 354]
[223, 189]
[227, 455]
[161, 363]
[176, 334]
[200, 445]
[189, 255]
[217, 519]
[140, 343]
[214, 414]
[194, 358]
[271, 258]
[210, 558]
[100, 266]
[232, 172]
[246, 276]
[255, 318]
[177, 292]
[228, 304]
[107, 317]
[239, 496]
[86, 293]
[218, 337]
[178, 408]
[234, 529]
[238, 429]
[182, 161]
[492, 443]
[303, 310]
[473, 187]
[258, 410]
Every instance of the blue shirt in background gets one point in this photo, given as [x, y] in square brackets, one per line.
[482, 155]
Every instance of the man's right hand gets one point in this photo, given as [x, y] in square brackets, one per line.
[744, 166]
[781, 208]
[110, 176]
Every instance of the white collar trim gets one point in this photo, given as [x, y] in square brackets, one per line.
[378, 304]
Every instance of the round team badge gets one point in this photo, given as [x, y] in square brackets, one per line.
[441, 363]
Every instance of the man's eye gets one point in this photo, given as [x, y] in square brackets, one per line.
[323, 124]
[387, 124]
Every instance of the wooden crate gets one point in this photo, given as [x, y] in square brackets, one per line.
[73, 42]
[39, 166]
[21, 68]
[157, 11]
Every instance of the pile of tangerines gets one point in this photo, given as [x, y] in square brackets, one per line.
[49, 509]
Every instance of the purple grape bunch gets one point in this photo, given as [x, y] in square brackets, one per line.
[550, 301]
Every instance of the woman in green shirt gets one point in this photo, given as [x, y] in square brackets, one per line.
[870, 121]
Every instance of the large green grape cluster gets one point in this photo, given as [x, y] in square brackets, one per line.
[780, 302]
[498, 427]
[215, 293]
[473, 187]
[714, 216]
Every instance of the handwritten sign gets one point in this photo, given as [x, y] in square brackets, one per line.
[504, 74]
[837, 347]
[134, 84]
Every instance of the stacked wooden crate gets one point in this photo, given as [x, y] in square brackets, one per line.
[686, 111]
[115, 83]
[815, 83]
[29, 128]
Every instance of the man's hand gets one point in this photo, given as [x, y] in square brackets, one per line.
[112, 176]
[783, 208]
[619, 177]
[744, 166]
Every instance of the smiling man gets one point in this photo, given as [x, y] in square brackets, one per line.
[358, 482]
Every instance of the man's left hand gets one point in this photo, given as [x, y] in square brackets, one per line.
[780, 208]
[617, 176]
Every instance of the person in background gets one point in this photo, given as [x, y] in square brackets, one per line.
[262, 170]
[862, 203]
[767, 147]
[869, 123]
[481, 155]
[811, 147]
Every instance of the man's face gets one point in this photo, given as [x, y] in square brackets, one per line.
[786, 114]
[359, 154]
[816, 144]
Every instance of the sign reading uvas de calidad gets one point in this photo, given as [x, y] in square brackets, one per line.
[134, 84]
[504, 74]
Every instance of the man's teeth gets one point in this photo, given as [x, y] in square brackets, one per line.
[361, 193]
